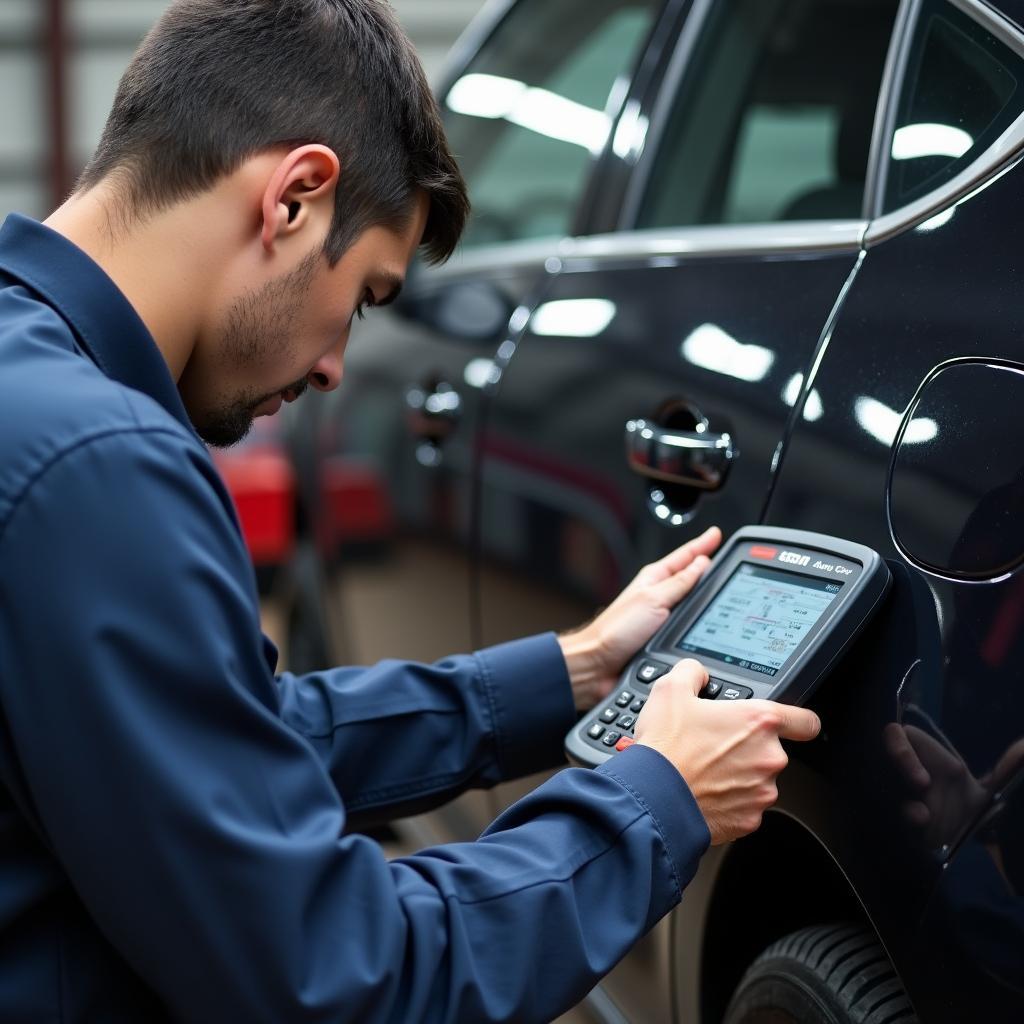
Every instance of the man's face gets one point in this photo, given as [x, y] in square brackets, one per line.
[273, 341]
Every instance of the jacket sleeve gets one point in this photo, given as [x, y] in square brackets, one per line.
[205, 836]
[399, 738]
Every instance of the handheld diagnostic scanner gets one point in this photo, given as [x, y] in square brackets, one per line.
[772, 614]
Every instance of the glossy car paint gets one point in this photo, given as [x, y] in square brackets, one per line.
[554, 450]
[529, 493]
[912, 308]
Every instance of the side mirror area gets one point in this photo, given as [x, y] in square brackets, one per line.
[473, 311]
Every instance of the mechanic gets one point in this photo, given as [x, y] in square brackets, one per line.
[173, 814]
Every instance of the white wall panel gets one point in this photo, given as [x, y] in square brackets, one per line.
[94, 74]
[113, 19]
[23, 142]
[19, 19]
[22, 107]
[26, 196]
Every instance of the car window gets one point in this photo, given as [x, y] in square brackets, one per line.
[527, 119]
[961, 90]
[774, 115]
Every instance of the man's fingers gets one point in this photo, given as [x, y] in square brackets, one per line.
[798, 723]
[1008, 764]
[904, 756]
[665, 568]
[705, 544]
[917, 813]
[688, 672]
[671, 591]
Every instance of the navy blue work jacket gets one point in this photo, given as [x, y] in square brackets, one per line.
[173, 816]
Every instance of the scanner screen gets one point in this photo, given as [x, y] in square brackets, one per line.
[757, 620]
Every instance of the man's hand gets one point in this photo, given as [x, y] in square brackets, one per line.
[943, 796]
[727, 751]
[597, 653]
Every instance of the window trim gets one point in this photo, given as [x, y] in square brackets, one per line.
[483, 27]
[600, 211]
[499, 256]
[999, 156]
[487, 21]
[690, 35]
[885, 112]
[657, 245]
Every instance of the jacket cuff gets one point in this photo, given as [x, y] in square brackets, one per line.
[661, 790]
[527, 685]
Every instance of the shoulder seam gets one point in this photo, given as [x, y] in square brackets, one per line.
[82, 442]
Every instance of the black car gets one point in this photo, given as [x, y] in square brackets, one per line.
[732, 261]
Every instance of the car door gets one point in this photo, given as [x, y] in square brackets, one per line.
[694, 322]
[915, 448]
[650, 393]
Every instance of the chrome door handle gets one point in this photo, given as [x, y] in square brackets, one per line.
[433, 411]
[695, 458]
[438, 402]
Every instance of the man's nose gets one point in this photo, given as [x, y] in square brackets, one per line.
[326, 372]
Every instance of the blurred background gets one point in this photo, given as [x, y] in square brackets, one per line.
[60, 61]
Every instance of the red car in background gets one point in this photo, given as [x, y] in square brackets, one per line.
[259, 475]
[352, 512]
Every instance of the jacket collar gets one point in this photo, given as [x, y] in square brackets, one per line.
[104, 322]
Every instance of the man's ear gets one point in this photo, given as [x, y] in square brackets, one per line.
[302, 184]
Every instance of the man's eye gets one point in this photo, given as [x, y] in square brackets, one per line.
[367, 303]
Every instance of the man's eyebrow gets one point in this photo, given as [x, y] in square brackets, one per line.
[394, 283]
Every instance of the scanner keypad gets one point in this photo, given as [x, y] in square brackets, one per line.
[624, 705]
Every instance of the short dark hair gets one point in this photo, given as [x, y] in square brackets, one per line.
[218, 81]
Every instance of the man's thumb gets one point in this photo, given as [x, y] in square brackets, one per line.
[691, 673]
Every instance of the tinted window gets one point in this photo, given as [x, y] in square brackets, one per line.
[534, 109]
[961, 90]
[774, 117]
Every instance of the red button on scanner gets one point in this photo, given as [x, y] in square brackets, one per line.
[758, 551]
[624, 742]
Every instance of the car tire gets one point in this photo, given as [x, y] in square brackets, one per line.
[827, 974]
